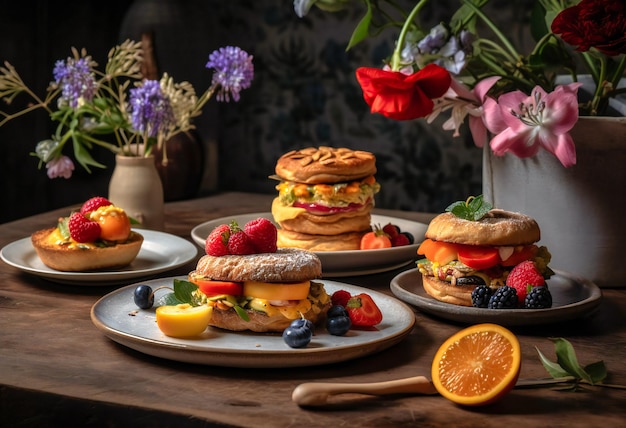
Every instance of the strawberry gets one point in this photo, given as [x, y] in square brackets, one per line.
[340, 298]
[523, 277]
[240, 244]
[262, 233]
[391, 230]
[363, 311]
[375, 239]
[216, 243]
[93, 204]
[82, 229]
[400, 240]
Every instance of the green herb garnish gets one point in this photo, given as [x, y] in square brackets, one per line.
[473, 209]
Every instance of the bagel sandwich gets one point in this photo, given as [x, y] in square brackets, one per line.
[325, 198]
[460, 253]
[262, 292]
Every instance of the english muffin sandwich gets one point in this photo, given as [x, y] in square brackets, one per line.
[466, 248]
[325, 198]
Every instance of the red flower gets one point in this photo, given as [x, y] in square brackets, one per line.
[403, 97]
[600, 24]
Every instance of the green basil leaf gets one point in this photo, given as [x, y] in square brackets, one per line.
[566, 357]
[183, 291]
[168, 300]
[553, 369]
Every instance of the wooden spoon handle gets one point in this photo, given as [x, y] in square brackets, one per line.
[316, 393]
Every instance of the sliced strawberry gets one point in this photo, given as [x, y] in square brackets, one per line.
[94, 203]
[82, 229]
[363, 311]
[262, 233]
[216, 243]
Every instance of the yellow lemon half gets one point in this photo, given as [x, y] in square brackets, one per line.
[183, 320]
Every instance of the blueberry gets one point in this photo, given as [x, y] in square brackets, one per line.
[338, 326]
[410, 237]
[301, 322]
[143, 296]
[298, 334]
[337, 311]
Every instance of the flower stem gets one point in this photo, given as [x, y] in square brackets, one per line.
[395, 58]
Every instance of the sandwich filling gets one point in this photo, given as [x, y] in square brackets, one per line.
[461, 264]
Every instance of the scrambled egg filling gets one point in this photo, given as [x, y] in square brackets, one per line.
[333, 195]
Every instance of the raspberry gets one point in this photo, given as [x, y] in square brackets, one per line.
[400, 240]
[538, 298]
[93, 204]
[216, 243]
[240, 244]
[391, 230]
[505, 297]
[340, 298]
[262, 233]
[522, 276]
[82, 229]
[481, 295]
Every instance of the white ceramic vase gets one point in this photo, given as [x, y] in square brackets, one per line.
[581, 209]
[136, 187]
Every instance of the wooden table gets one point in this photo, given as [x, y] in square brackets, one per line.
[57, 369]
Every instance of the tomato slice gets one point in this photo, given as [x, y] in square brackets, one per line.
[518, 256]
[214, 288]
[478, 257]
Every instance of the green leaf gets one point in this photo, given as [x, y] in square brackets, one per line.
[168, 300]
[362, 29]
[555, 370]
[566, 357]
[241, 312]
[473, 209]
[183, 290]
[597, 371]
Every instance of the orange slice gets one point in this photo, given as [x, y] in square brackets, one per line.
[478, 365]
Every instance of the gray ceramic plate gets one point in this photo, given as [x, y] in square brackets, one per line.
[111, 315]
[343, 263]
[572, 297]
[159, 252]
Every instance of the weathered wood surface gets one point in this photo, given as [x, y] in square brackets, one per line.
[57, 369]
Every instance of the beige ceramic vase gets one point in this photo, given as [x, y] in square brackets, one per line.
[136, 187]
[580, 209]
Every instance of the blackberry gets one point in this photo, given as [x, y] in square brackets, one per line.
[505, 297]
[538, 298]
[481, 295]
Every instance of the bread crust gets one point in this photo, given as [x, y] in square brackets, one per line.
[330, 224]
[261, 323]
[63, 258]
[498, 228]
[285, 265]
[446, 292]
[316, 165]
[341, 242]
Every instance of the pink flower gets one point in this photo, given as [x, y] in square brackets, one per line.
[60, 167]
[465, 102]
[524, 124]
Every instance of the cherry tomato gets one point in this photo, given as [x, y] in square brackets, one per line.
[214, 288]
[478, 257]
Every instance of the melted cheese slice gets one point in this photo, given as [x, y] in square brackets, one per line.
[281, 212]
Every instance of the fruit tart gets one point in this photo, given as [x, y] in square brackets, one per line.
[99, 236]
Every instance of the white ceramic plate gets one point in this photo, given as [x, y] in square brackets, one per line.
[572, 297]
[342, 263]
[159, 252]
[219, 347]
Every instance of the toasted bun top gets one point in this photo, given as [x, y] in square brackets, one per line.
[498, 227]
[325, 165]
[285, 265]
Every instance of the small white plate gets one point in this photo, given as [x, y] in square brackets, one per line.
[572, 297]
[117, 316]
[342, 263]
[159, 252]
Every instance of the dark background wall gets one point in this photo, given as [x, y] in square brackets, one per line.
[304, 93]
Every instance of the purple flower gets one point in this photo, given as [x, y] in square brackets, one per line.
[151, 111]
[445, 50]
[60, 167]
[233, 71]
[76, 80]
